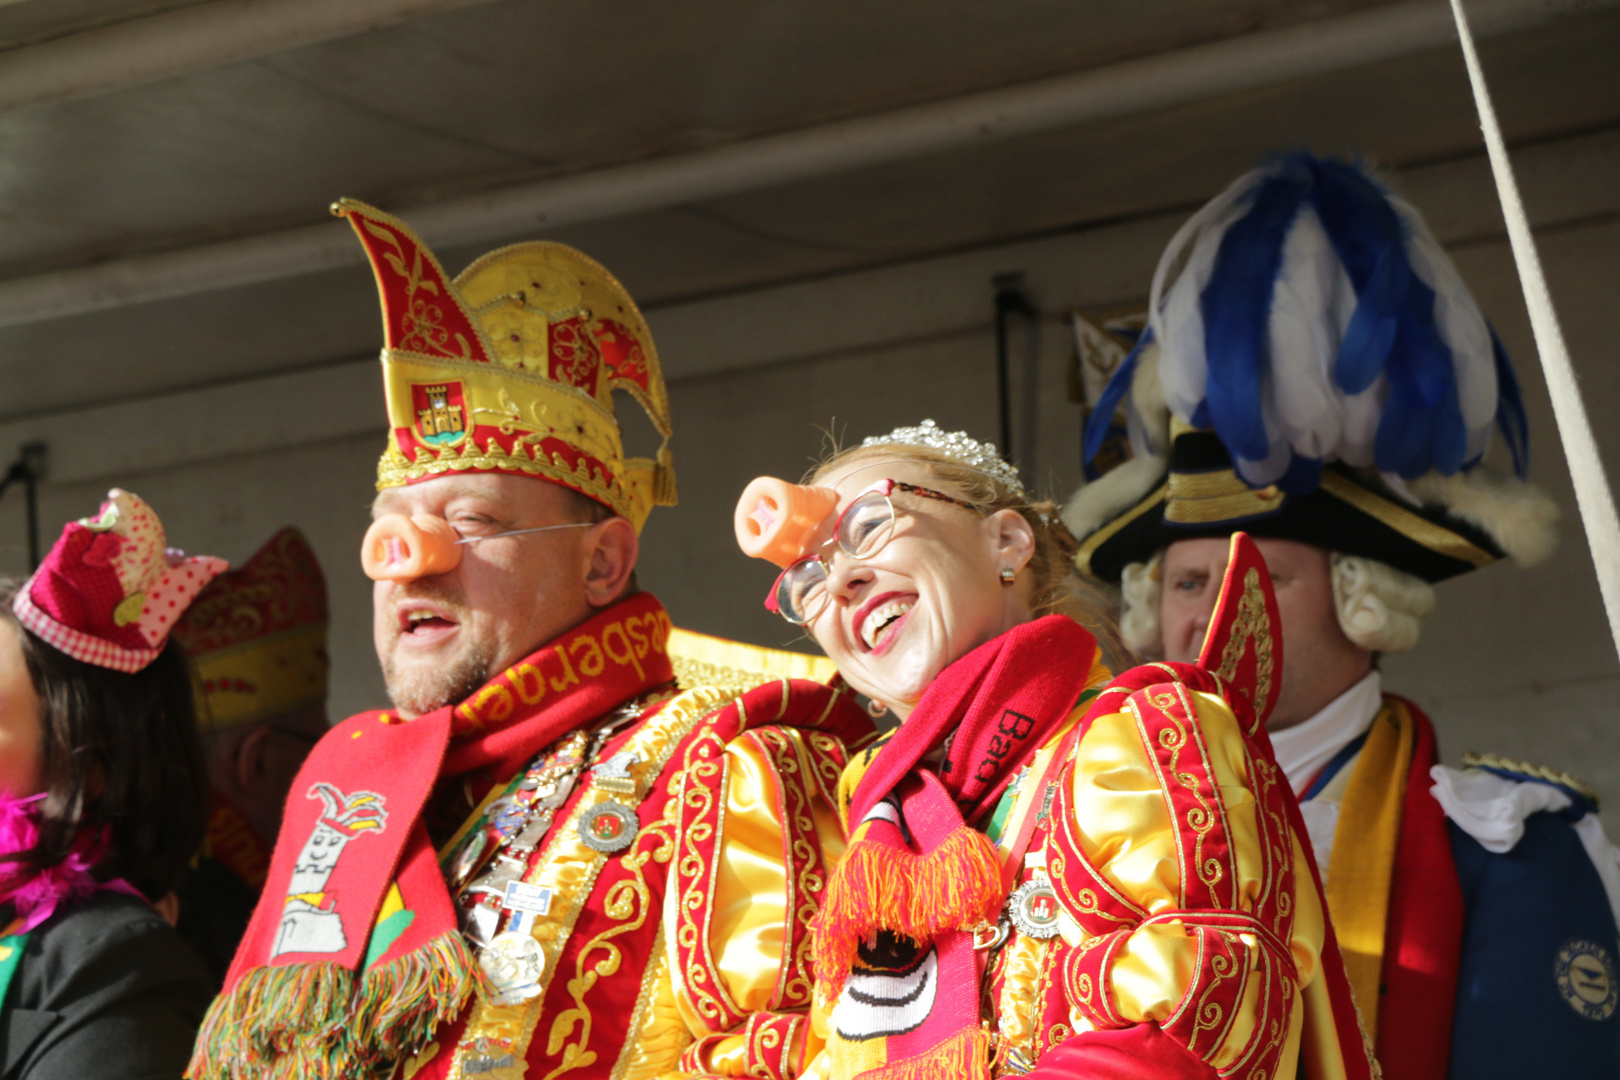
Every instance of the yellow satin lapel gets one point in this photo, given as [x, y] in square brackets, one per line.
[1364, 854]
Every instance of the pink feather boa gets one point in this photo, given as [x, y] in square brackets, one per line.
[35, 894]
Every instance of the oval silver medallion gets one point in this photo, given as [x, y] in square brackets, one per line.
[608, 827]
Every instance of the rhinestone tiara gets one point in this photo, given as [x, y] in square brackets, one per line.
[954, 444]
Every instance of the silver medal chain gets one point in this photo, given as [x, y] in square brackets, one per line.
[551, 778]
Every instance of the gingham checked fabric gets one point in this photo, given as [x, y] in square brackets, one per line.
[76, 643]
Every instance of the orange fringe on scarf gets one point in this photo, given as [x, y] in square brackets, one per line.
[965, 1056]
[957, 886]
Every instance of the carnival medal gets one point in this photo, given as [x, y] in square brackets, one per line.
[514, 963]
[1033, 909]
[608, 827]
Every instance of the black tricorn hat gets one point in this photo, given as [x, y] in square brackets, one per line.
[1199, 494]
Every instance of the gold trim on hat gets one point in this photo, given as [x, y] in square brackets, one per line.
[1089, 546]
[1414, 527]
[1203, 498]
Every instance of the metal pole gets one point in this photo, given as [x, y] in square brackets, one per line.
[1592, 492]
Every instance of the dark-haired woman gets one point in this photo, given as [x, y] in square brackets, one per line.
[102, 803]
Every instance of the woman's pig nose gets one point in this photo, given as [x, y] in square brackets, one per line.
[775, 519]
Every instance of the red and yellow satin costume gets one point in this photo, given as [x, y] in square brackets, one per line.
[687, 952]
[1155, 822]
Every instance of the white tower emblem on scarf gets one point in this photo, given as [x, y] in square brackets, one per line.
[310, 921]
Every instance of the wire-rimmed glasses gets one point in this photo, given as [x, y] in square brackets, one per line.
[801, 593]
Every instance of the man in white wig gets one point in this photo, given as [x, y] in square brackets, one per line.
[1315, 373]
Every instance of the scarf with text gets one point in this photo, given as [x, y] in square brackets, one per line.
[916, 873]
[319, 987]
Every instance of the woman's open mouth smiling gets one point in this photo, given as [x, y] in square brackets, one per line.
[879, 622]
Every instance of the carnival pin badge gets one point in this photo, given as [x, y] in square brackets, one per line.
[611, 826]
[1033, 909]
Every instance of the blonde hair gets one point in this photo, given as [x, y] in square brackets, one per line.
[1055, 587]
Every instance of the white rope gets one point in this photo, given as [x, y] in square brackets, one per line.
[1592, 493]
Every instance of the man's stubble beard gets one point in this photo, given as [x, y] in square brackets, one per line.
[420, 691]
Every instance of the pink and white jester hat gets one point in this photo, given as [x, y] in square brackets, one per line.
[110, 590]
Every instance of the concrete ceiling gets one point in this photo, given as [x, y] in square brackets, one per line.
[518, 89]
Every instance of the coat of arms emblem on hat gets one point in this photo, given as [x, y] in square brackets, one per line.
[441, 412]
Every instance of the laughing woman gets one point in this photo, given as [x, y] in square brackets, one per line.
[1036, 881]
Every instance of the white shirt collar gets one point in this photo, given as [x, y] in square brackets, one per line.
[1303, 749]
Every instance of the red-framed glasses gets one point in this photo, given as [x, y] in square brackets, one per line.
[801, 593]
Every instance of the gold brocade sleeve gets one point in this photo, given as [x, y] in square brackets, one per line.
[1137, 838]
[755, 906]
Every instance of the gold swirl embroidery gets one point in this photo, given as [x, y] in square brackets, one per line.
[656, 740]
[703, 774]
[1058, 870]
[1274, 1038]
[1050, 965]
[1085, 902]
[628, 901]
[805, 880]
[420, 331]
[1209, 1015]
[1201, 818]
[827, 757]
[1251, 622]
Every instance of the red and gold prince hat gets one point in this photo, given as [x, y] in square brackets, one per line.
[111, 589]
[257, 636]
[511, 367]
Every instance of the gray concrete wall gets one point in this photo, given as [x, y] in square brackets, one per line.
[1517, 662]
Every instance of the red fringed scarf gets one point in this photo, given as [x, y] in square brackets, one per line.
[313, 990]
[914, 866]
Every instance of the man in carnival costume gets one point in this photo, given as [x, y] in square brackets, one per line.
[1315, 373]
[256, 637]
[548, 859]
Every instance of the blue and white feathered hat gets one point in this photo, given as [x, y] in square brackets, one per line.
[1314, 368]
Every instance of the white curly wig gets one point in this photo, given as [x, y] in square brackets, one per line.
[1379, 607]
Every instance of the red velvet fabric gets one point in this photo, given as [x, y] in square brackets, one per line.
[1131, 1053]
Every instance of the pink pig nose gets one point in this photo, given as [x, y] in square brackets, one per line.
[775, 519]
[400, 548]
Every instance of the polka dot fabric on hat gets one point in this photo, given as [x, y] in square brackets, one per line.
[110, 591]
[168, 597]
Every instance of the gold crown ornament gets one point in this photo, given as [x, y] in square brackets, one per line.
[511, 367]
